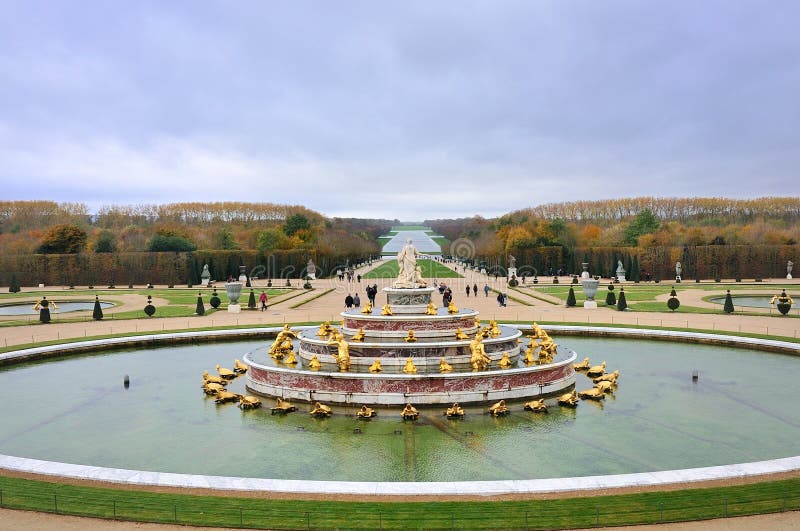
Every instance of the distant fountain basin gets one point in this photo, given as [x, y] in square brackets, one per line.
[63, 307]
[747, 301]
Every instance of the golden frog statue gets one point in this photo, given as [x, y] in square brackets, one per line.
[410, 368]
[582, 366]
[477, 323]
[358, 336]
[530, 357]
[460, 334]
[444, 366]
[290, 358]
[454, 411]
[314, 363]
[283, 407]
[365, 413]
[410, 338]
[409, 413]
[537, 406]
[505, 361]
[569, 399]
[386, 310]
[324, 329]
[367, 308]
[597, 370]
[430, 309]
[498, 409]
[320, 410]
[452, 308]
[494, 330]
[376, 366]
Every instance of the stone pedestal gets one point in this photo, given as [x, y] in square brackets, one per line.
[408, 300]
[590, 305]
[512, 272]
[234, 308]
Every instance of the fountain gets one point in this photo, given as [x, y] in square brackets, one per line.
[589, 287]
[409, 351]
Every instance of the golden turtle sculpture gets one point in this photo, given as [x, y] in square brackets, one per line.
[569, 399]
[537, 406]
[207, 378]
[211, 388]
[365, 413]
[498, 409]
[592, 394]
[582, 366]
[605, 386]
[226, 373]
[283, 407]
[227, 396]
[249, 402]
[239, 367]
[597, 370]
[320, 410]
[610, 377]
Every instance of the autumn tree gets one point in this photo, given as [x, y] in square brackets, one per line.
[63, 239]
[105, 242]
[645, 222]
[294, 223]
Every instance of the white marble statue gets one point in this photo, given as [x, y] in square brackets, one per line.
[407, 267]
[789, 266]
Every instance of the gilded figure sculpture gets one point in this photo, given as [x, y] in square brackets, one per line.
[494, 330]
[430, 309]
[452, 308]
[460, 334]
[211, 388]
[410, 338]
[610, 377]
[367, 309]
[529, 358]
[592, 394]
[365, 413]
[479, 360]
[239, 367]
[207, 378]
[376, 366]
[386, 310]
[605, 386]
[290, 358]
[226, 373]
[227, 396]
[444, 366]
[409, 413]
[324, 329]
[505, 361]
[454, 411]
[249, 402]
[342, 356]
[358, 336]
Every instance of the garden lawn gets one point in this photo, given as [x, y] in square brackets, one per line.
[430, 269]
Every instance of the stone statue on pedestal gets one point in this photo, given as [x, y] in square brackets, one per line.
[311, 269]
[620, 271]
[789, 266]
[205, 276]
[678, 271]
[407, 275]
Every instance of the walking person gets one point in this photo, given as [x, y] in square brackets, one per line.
[486, 289]
[348, 301]
[500, 299]
[263, 300]
[475, 289]
[467, 290]
[357, 301]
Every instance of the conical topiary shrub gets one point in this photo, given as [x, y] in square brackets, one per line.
[611, 298]
[149, 309]
[622, 304]
[728, 303]
[201, 308]
[13, 286]
[571, 298]
[214, 301]
[97, 313]
[251, 302]
[673, 303]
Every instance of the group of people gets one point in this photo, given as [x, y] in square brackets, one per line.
[352, 301]
[349, 274]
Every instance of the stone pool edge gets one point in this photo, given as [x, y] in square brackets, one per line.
[479, 488]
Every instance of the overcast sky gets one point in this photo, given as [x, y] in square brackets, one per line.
[407, 110]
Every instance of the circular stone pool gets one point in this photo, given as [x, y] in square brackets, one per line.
[76, 410]
[63, 307]
[748, 301]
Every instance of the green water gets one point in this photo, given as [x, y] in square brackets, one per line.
[743, 408]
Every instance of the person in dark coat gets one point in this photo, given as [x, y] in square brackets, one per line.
[467, 290]
[348, 301]
[475, 289]
[357, 301]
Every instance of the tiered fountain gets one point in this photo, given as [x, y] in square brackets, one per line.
[408, 351]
